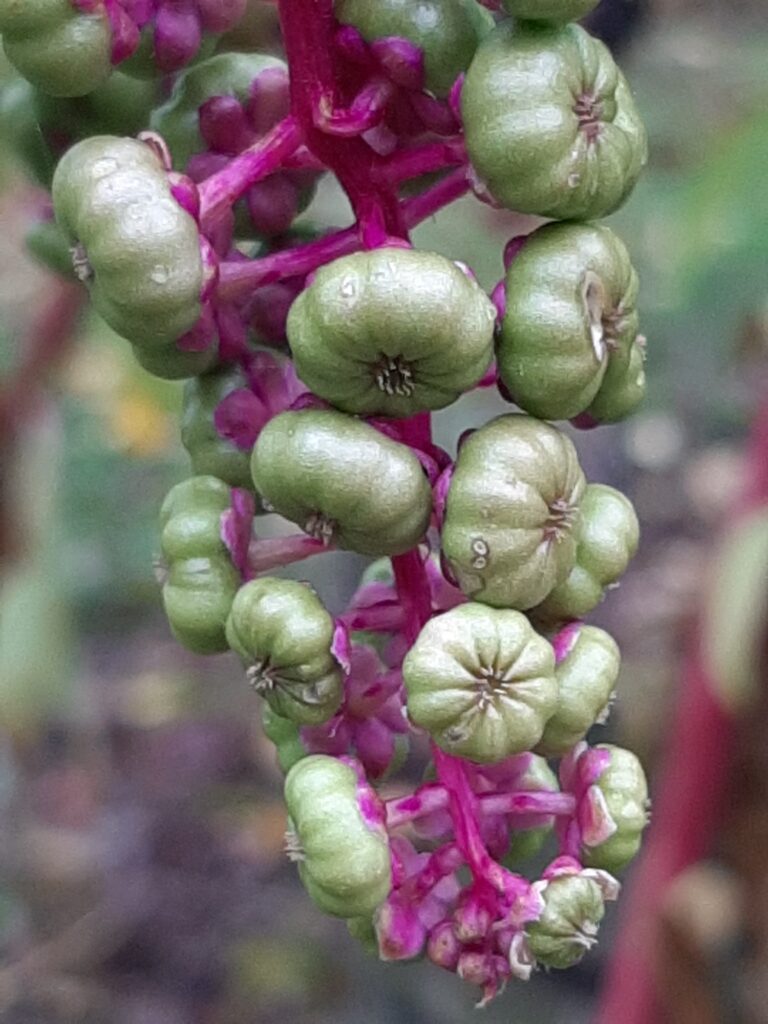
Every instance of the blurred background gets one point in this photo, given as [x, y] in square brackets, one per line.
[142, 875]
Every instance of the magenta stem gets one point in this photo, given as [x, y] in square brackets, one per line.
[424, 159]
[239, 279]
[271, 552]
[365, 111]
[221, 190]
[434, 797]
[441, 863]
[377, 619]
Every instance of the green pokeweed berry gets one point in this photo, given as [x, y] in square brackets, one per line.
[607, 539]
[511, 512]
[342, 481]
[286, 736]
[226, 74]
[568, 926]
[549, 10]
[364, 930]
[481, 682]
[172, 363]
[201, 580]
[208, 450]
[550, 123]
[341, 848]
[625, 790]
[283, 633]
[447, 31]
[135, 247]
[21, 132]
[60, 48]
[391, 332]
[570, 317]
[586, 678]
[526, 843]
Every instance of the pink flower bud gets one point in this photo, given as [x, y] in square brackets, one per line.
[472, 919]
[402, 61]
[400, 933]
[177, 36]
[443, 948]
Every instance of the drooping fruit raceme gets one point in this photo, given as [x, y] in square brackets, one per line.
[467, 635]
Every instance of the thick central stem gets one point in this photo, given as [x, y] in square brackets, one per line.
[318, 84]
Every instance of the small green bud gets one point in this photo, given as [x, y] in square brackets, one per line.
[624, 789]
[283, 633]
[208, 450]
[286, 736]
[340, 845]
[481, 682]
[568, 926]
[586, 678]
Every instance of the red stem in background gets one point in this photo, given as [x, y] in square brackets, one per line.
[692, 788]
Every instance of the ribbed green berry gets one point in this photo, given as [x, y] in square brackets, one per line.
[47, 243]
[526, 843]
[570, 325]
[512, 510]
[549, 10]
[586, 678]
[226, 74]
[625, 790]
[391, 332]
[61, 49]
[568, 926]
[481, 682]
[342, 855]
[286, 736]
[447, 31]
[172, 363]
[550, 123]
[208, 450]
[283, 633]
[136, 248]
[201, 581]
[342, 481]
[607, 539]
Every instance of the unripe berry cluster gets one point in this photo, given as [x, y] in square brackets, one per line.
[468, 629]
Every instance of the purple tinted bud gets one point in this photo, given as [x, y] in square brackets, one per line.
[341, 647]
[203, 165]
[268, 309]
[443, 948]
[333, 737]
[185, 192]
[435, 115]
[401, 60]
[476, 967]
[177, 35]
[237, 528]
[400, 933]
[564, 641]
[220, 15]
[223, 124]
[454, 97]
[273, 204]
[239, 417]
[499, 299]
[512, 248]
[124, 30]
[351, 45]
[584, 421]
[472, 919]
[270, 99]
[375, 746]
[202, 334]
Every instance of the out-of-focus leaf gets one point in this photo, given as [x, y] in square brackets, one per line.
[736, 617]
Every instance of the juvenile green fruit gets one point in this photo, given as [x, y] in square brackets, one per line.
[341, 849]
[447, 31]
[586, 678]
[549, 10]
[283, 633]
[135, 247]
[201, 581]
[570, 325]
[481, 682]
[286, 736]
[391, 332]
[625, 791]
[568, 926]
[550, 124]
[226, 74]
[208, 450]
[171, 363]
[58, 47]
[342, 481]
[607, 539]
[511, 512]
